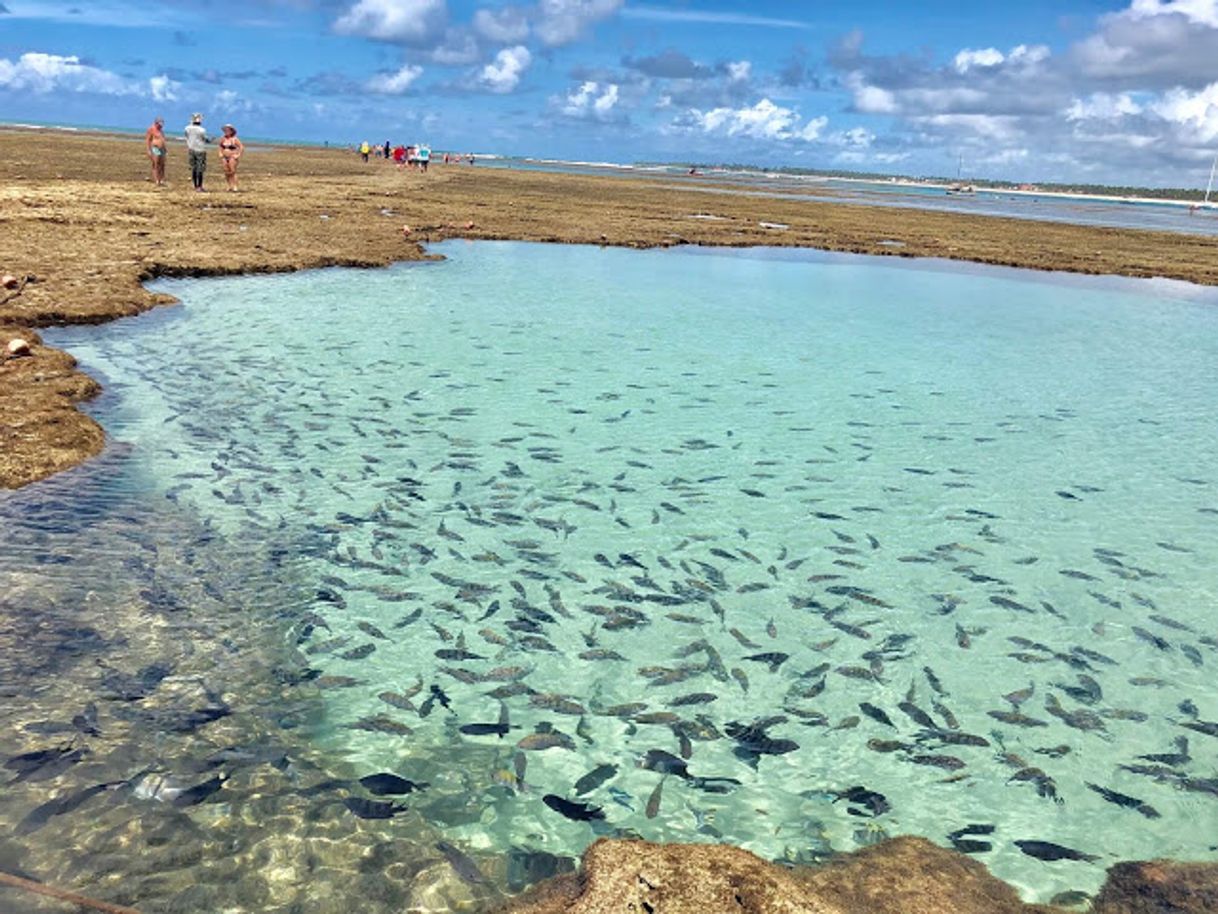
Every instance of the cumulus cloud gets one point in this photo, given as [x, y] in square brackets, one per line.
[407, 21]
[43, 73]
[591, 101]
[1195, 112]
[1102, 106]
[509, 25]
[738, 70]
[394, 83]
[986, 57]
[1153, 44]
[503, 74]
[560, 22]
[163, 89]
[764, 120]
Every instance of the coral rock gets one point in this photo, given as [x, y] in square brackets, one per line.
[1159, 887]
[17, 347]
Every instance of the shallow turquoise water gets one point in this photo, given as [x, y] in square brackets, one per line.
[882, 475]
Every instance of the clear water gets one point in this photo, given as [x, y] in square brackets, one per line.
[876, 469]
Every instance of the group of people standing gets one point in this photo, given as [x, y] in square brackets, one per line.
[231, 149]
[418, 156]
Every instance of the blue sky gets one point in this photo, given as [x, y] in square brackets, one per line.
[1117, 92]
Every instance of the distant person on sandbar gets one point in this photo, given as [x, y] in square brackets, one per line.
[196, 149]
[154, 141]
[231, 150]
[364, 149]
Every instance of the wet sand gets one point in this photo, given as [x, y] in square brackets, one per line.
[78, 213]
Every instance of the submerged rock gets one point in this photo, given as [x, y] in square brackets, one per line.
[1159, 887]
[900, 876]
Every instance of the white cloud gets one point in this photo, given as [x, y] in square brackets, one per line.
[163, 89]
[813, 128]
[503, 74]
[739, 70]
[1000, 128]
[1102, 106]
[985, 57]
[394, 83]
[1203, 12]
[1196, 112]
[509, 25]
[591, 100]
[42, 73]
[560, 22]
[762, 121]
[393, 20]
[870, 99]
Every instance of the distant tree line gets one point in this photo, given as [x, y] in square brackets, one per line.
[1107, 190]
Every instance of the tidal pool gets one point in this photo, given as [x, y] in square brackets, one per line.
[789, 550]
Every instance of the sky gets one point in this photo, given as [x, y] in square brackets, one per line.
[1069, 90]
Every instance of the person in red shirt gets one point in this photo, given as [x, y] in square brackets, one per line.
[399, 155]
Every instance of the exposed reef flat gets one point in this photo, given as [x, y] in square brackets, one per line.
[90, 228]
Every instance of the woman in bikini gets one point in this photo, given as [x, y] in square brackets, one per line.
[231, 149]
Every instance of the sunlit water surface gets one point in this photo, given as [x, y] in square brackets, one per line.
[624, 501]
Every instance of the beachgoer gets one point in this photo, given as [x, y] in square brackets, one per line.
[364, 149]
[399, 156]
[196, 147]
[386, 150]
[424, 156]
[154, 141]
[231, 150]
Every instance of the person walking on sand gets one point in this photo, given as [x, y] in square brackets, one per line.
[364, 149]
[154, 142]
[231, 150]
[196, 148]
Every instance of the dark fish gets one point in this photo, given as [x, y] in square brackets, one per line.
[200, 792]
[866, 802]
[462, 864]
[458, 654]
[653, 802]
[369, 629]
[384, 784]
[775, 659]
[665, 763]
[358, 653]
[577, 812]
[372, 809]
[499, 728]
[594, 778]
[877, 714]
[1047, 850]
[40, 815]
[1125, 801]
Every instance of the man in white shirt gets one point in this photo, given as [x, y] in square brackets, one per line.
[196, 148]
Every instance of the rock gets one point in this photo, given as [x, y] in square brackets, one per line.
[18, 347]
[1159, 887]
[9, 281]
[911, 875]
[899, 876]
[632, 877]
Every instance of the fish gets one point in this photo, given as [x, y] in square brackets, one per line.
[653, 802]
[877, 714]
[866, 802]
[372, 809]
[369, 629]
[595, 778]
[60, 805]
[1047, 850]
[774, 659]
[537, 742]
[576, 812]
[499, 728]
[1125, 801]
[385, 784]
[463, 865]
